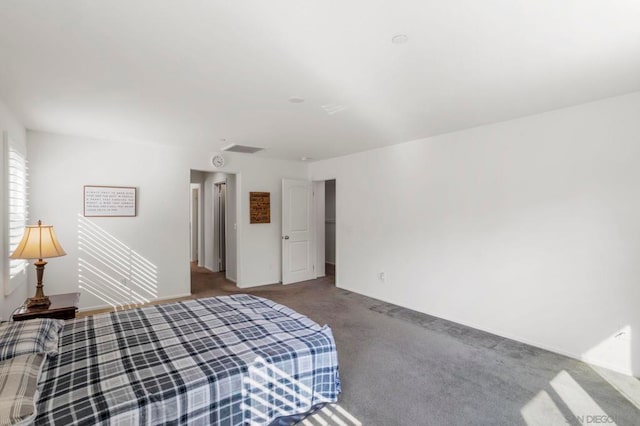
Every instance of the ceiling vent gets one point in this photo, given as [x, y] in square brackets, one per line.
[242, 148]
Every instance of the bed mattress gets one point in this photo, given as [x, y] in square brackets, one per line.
[230, 360]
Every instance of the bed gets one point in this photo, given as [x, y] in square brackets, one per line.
[231, 360]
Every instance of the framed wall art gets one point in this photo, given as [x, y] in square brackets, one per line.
[109, 201]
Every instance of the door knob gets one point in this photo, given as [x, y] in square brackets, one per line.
[286, 237]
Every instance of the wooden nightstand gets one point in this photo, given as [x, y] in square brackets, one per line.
[63, 306]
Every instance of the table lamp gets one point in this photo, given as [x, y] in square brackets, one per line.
[38, 242]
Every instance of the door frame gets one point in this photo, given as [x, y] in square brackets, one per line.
[198, 188]
[235, 221]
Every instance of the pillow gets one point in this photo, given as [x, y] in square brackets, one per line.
[18, 388]
[30, 337]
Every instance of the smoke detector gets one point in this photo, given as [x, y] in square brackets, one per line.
[399, 39]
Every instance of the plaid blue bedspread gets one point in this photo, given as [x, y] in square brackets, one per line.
[230, 360]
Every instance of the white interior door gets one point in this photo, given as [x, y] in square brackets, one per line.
[297, 231]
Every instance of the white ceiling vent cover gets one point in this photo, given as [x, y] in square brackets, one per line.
[242, 148]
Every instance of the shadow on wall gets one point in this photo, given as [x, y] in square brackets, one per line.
[110, 270]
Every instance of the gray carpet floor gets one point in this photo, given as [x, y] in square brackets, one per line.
[400, 367]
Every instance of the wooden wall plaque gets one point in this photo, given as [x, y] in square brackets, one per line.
[260, 207]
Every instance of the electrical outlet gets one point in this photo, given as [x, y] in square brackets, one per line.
[381, 276]
[624, 334]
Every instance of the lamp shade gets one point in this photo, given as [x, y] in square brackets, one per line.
[38, 242]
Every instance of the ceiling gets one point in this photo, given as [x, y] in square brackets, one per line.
[210, 73]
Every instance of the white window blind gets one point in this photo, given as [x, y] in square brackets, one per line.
[16, 210]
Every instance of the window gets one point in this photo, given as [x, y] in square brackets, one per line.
[16, 211]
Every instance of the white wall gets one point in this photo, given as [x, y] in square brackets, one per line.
[231, 234]
[197, 178]
[9, 123]
[61, 165]
[194, 214]
[528, 228]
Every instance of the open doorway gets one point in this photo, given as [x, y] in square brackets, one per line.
[330, 227]
[216, 209]
[220, 240]
[220, 223]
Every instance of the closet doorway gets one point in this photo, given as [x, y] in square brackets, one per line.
[220, 224]
[330, 227]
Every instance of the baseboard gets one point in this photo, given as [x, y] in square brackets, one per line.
[159, 299]
[258, 284]
[569, 354]
[549, 348]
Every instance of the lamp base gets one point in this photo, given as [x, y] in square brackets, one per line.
[38, 301]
